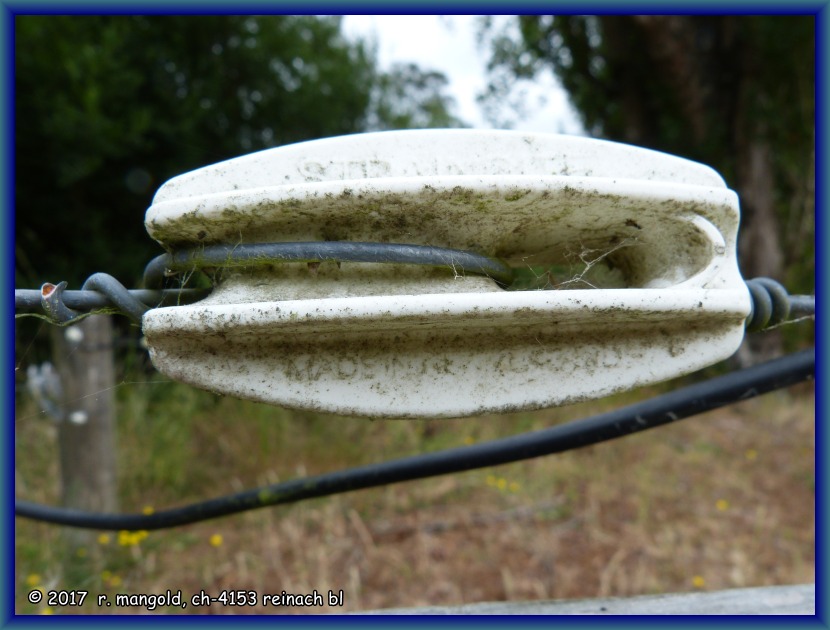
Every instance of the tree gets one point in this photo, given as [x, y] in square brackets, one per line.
[733, 92]
[406, 84]
[110, 107]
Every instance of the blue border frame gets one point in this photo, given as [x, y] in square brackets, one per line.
[736, 7]
[7, 332]
[822, 207]
[8, 9]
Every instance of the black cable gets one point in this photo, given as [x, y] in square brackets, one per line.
[250, 254]
[676, 405]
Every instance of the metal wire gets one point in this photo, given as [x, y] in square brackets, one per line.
[677, 405]
[29, 300]
[51, 297]
[251, 254]
[100, 291]
[771, 304]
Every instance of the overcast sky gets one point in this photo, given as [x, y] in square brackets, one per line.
[447, 44]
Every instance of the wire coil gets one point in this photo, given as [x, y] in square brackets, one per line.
[772, 305]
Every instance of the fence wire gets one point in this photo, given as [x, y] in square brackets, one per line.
[771, 303]
[771, 306]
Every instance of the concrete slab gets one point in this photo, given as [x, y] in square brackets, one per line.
[768, 600]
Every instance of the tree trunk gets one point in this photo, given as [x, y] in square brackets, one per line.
[759, 244]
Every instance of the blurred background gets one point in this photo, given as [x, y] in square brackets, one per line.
[110, 107]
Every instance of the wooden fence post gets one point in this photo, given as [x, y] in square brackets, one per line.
[87, 437]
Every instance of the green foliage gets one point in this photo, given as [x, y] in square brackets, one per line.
[110, 107]
[407, 83]
[615, 77]
[710, 88]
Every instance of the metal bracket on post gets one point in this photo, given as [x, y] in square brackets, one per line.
[652, 291]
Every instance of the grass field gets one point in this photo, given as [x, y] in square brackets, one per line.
[722, 500]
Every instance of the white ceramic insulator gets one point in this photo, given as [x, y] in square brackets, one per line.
[402, 341]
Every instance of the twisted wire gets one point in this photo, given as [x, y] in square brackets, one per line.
[100, 291]
[51, 298]
[772, 305]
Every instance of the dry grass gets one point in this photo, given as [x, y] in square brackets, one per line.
[721, 500]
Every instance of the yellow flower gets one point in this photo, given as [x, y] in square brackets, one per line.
[722, 505]
[147, 509]
[698, 581]
[47, 611]
[469, 440]
[491, 480]
[104, 539]
[501, 484]
[216, 540]
[751, 454]
[115, 580]
[105, 575]
[131, 539]
[33, 579]
[514, 487]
